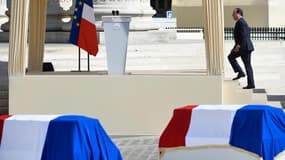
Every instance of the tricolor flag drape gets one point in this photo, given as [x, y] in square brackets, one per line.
[55, 137]
[83, 32]
[256, 129]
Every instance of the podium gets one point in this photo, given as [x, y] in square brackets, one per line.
[116, 30]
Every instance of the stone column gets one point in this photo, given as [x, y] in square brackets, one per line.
[18, 37]
[140, 10]
[3, 9]
[214, 35]
[37, 19]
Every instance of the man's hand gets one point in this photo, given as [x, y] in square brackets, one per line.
[237, 48]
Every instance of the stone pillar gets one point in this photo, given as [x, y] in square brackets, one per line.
[140, 10]
[214, 35]
[37, 19]
[3, 9]
[18, 37]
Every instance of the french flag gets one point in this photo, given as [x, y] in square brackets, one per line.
[54, 137]
[258, 130]
[83, 32]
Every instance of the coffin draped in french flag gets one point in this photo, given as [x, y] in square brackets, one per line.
[235, 132]
[54, 137]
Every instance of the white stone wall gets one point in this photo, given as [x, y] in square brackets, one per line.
[256, 12]
[276, 13]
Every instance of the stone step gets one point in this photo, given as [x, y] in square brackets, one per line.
[4, 103]
[258, 98]
[280, 98]
[4, 110]
[4, 94]
[274, 103]
[4, 87]
[283, 104]
[259, 91]
[4, 78]
[234, 94]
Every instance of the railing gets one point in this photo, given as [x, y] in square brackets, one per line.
[260, 33]
[186, 29]
[257, 33]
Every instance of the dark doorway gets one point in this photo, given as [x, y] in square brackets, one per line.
[161, 7]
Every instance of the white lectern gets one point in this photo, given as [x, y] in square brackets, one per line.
[116, 30]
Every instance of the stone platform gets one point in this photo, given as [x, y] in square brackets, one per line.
[268, 59]
[182, 55]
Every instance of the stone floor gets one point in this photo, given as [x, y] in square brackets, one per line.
[138, 148]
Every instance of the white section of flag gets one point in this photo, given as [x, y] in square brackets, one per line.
[88, 13]
[211, 125]
[24, 137]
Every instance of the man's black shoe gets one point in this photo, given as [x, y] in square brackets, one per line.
[238, 77]
[249, 87]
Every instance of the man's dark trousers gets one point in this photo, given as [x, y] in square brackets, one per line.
[246, 58]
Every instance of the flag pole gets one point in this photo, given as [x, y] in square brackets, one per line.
[88, 61]
[79, 59]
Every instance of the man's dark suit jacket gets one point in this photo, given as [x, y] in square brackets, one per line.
[242, 36]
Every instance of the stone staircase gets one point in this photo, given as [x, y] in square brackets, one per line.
[233, 94]
[4, 83]
[277, 99]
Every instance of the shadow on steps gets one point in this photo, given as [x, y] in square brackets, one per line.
[4, 84]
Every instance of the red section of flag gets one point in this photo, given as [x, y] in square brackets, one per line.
[176, 131]
[88, 37]
[2, 120]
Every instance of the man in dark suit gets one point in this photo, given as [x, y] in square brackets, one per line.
[243, 48]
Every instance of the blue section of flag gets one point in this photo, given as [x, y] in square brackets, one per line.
[76, 19]
[259, 129]
[78, 138]
[89, 2]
